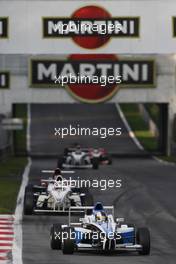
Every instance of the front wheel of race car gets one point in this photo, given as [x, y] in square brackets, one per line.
[68, 245]
[95, 163]
[143, 239]
[28, 200]
[56, 236]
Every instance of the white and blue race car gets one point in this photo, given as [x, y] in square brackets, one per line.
[97, 231]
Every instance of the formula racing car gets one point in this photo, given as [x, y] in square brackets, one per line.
[101, 154]
[77, 157]
[98, 231]
[54, 195]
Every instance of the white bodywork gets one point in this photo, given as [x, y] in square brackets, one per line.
[58, 197]
[88, 223]
[75, 159]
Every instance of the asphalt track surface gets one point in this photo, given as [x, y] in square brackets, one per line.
[45, 118]
[146, 198]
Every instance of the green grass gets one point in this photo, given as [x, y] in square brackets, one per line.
[139, 126]
[168, 158]
[153, 110]
[12, 168]
[10, 180]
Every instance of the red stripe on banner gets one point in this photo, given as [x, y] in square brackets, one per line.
[6, 219]
[5, 244]
[5, 223]
[6, 238]
[3, 228]
[4, 250]
[6, 233]
[3, 258]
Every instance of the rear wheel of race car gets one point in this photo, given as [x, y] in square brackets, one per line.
[143, 239]
[56, 236]
[28, 200]
[60, 162]
[87, 199]
[68, 245]
[109, 160]
[95, 163]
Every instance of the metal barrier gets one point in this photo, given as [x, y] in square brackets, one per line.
[5, 141]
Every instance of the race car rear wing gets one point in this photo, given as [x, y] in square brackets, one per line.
[82, 209]
[63, 171]
[74, 149]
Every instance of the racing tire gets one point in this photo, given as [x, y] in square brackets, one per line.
[28, 200]
[109, 161]
[55, 240]
[68, 245]
[95, 163]
[60, 162]
[143, 238]
[87, 200]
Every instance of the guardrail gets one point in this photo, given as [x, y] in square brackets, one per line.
[5, 141]
[5, 151]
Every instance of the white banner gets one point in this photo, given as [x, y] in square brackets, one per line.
[147, 27]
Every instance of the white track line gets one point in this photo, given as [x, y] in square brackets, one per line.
[130, 132]
[2, 221]
[3, 254]
[9, 248]
[165, 162]
[6, 235]
[17, 245]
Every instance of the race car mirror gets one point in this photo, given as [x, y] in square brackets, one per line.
[119, 220]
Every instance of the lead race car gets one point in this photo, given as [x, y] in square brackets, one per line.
[54, 195]
[98, 231]
[77, 157]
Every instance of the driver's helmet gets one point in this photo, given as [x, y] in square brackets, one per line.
[100, 217]
[78, 149]
[76, 145]
[57, 175]
[95, 151]
[58, 178]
